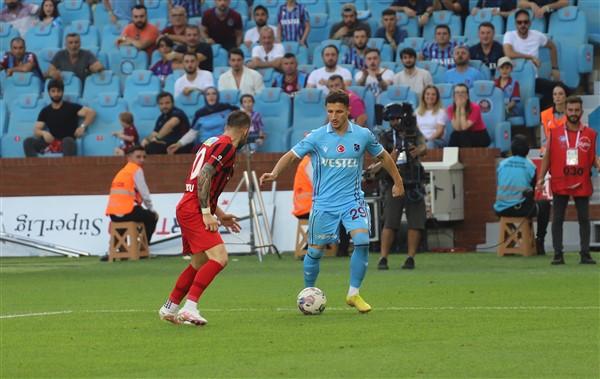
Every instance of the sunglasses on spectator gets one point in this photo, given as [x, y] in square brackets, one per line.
[522, 22]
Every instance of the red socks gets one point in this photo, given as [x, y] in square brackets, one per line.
[184, 282]
[203, 277]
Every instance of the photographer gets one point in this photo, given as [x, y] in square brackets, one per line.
[406, 145]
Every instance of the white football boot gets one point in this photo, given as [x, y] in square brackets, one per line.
[190, 317]
[168, 315]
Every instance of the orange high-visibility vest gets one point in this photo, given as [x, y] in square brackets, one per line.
[123, 195]
[550, 122]
[303, 189]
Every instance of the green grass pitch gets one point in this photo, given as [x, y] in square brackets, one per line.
[455, 316]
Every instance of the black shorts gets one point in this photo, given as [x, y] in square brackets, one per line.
[393, 208]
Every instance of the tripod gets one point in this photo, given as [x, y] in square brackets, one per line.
[259, 231]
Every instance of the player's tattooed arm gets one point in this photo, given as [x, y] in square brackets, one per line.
[204, 181]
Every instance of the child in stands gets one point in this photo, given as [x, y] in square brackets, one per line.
[128, 136]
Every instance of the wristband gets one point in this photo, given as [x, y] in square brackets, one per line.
[554, 68]
[205, 211]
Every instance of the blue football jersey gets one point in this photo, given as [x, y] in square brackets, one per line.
[337, 164]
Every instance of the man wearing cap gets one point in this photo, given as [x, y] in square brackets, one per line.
[344, 30]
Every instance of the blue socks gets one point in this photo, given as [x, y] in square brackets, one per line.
[359, 260]
[311, 266]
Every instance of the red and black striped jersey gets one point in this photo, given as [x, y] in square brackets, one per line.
[220, 153]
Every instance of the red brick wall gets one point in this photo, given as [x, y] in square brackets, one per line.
[165, 174]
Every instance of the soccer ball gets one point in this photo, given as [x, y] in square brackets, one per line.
[311, 301]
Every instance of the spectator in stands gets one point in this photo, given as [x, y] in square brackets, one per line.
[358, 113]
[261, 16]
[488, 50]
[209, 121]
[318, 78]
[193, 79]
[18, 59]
[442, 50]
[239, 77]
[516, 182]
[18, 14]
[462, 72]
[377, 79]
[268, 54]
[293, 22]
[119, 9]
[193, 8]
[193, 45]
[467, 123]
[290, 80]
[128, 135]
[524, 43]
[48, 14]
[222, 25]
[499, 7]
[140, 33]
[390, 31]
[356, 53]
[542, 8]
[412, 76]
[431, 117]
[256, 135]
[164, 67]
[458, 7]
[554, 116]
[510, 88]
[58, 125]
[170, 126]
[75, 59]
[344, 30]
[178, 20]
[422, 9]
[570, 156]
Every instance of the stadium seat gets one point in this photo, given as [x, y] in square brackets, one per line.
[100, 15]
[591, 8]
[74, 10]
[538, 24]
[231, 96]
[156, 9]
[377, 7]
[268, 75]
[108, 106]
[300, 52]
[416, 43]
[275, 108]
[309, 110]
[98, 144]
[7, 33]
[307, 68]
[445, 93]
[390, 65]
[594, 123]
[23, 115]
[195, 21]
[127, 59]
[484, 15]
[369, 100]
[220, 57]
[318, 59]
[160, 22]
[170, 80]
[410, 24]
[71, 82]
[485, 70]
[385, 50]
[319, 30]
[45, 57]
[442, 18]
[398, 94]
[437, 71]
[102, 82]
[494, 119]
[43, 36]
[21, 83]
[140, 81]
[190, 104]
[524, 73]
[314, 6]
[240, 6]
[218, 71]
[3, 117]
[110, 33]
[88, 33]
[145, 113]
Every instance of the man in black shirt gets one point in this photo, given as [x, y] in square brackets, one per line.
[344, 30]
[193, 45]
[170, 126]
[57, 125]
[487, 50]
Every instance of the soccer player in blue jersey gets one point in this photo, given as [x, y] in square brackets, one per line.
[337, 152]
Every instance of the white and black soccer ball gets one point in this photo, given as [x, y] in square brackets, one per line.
[311, 301]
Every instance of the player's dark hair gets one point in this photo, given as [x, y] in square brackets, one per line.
[519, 146]
[388, 12]
[443, 26]
[487, 24]
[337, 97]
[133, 149]
[164, 94]
[238, 119]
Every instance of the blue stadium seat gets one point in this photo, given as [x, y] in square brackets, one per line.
[103, 58]
[71, 82]
[442, 18]
[220, 57]
[145, 113]
[417, 43]
[437, 71]
[484, 15]
[23, 115]
[524, 73]
[110, 33]
[398, 94]
[299, 51]
[7, 33]
[314, 6]
[494, 119]
[140, 81]
[247, 52]
[318, 59]
[195, 21]
[319, 30]
[190, 104]
[11, 145]
[275, 108]
[74, 10]
[390, 65]
[156, 9]
[307, 68]
[369, 100]
[218, 71]
[127, 59]
[21, 83]
[45, 57]
[378, 6]
[3, 117]
[231, 96]
[90, 38]
[98, 144]
[594, 123]
[43, 36]
[268, 75]
[100, 15]
[485, 70]
[385, 50]
[445, 93]
[240, 6]
[591, 8]
[538, 24]
[108, 106]
[160, 22]
[171, 79]
[410, 24]
[309, 110]
[102, 82]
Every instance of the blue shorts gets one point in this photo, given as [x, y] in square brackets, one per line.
[323, 226]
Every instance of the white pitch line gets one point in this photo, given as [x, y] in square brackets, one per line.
[40, 314]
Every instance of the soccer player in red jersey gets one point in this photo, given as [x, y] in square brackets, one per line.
[199, 218]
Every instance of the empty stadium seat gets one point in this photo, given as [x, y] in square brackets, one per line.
[108, 106]
[268, 75]
[594, 122]
[307, 68]
[591, 8]
[410, 24]
[160, 22]
[100, 15]
[170, 80]
[71, 82]
[3, 117]
[23, 115]
[376, 7]
[398, 94]
[145, 113]
[231, 96]
[45, 57]
[90, 38]
[7, 33]
[74, 10]
[110, 33]
[485, 70]
[43, 36]
[437, 71]
[524, 73]
[385, 50]
[127, 59]
[445, 93]
[389, 65]
[301, 52]
[484, 15]
[309, 110]
[442, 18]
[275, 108]
[102, 82]
[156, 9]
[140, 81]
[538, 24]
[319, 30]
[95, 144]
[220, 57]
[21, 83]
[369, 99]
[494, 118]
[190, 104]
[416, 43]
[314, 6]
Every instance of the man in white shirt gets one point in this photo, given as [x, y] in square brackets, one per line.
[412, 76]
[244, 79]
[375, 78]
[194, 79]
[318, 78]
[261, 15]
[268, 54]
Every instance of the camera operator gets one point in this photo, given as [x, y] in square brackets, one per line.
[406, 144]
